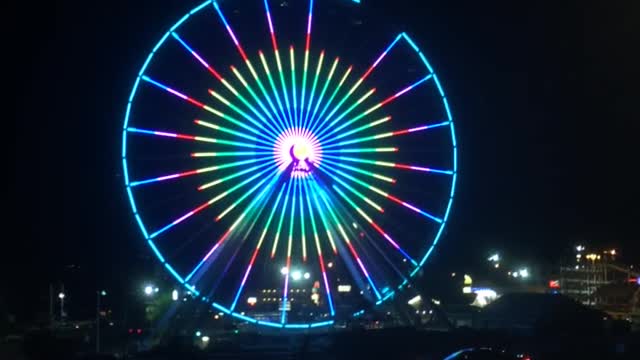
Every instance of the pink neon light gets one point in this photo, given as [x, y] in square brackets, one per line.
[184, 97]
[375, 226]
[270, 23]
[419, 128]
[204, 63]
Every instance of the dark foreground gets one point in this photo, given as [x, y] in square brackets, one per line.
[393, 344]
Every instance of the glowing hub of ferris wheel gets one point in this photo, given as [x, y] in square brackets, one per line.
[297, 149]
[288, 186]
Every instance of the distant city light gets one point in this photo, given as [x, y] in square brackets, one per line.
[554, 284]
[344, 288]
[497, 265]
[296, 275]
[515, 274]
[205, 339]
[103, 293]
[198, 333]
[61, 295]
[307, 275]
[148, 290]
[580, 248]
[494, 258]
[330, 265]
[252, 300]
[524, 273]
[415, 300]
[174, 295]
[484, 297]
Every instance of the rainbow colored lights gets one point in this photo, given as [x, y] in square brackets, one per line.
[290, 165]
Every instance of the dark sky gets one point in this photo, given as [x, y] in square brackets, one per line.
[545, 95]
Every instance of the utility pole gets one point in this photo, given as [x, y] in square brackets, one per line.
[98, 322]
[99, 294]
[51, 316]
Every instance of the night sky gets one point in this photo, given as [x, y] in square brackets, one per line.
[545, 95]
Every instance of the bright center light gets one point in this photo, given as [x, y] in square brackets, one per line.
[148, 290]
[299, 149]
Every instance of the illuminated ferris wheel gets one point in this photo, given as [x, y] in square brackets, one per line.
[284, 178]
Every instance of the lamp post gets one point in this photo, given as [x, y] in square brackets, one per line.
[61, 296]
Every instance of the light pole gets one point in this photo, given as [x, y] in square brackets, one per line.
[99, 294]
[61, 296]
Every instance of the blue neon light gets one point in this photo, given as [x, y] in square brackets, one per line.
[174, 273]
[155, 250]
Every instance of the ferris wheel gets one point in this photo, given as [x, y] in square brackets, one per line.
[289, 163]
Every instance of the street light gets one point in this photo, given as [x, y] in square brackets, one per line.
[296, 275]
[61, 296]
[148, 290]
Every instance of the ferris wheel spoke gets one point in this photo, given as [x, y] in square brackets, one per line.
[363, 197]
[240, 49]
[361, 128]
[305, 113]
[361, 171]
[255, 97]
[373, 224]
[267, 71]
[280, 221]
[204, 107]
[197, 138]
[327, 81]
[361, 150]
[271, 131]
[345, 113]
[330, 100]
[289, 246]
[363, 77]
[257, 249]
[302, 221]
[387, 195]
[226, 235]
[205, 205]
[391, 165]
[293, 86]
[229, 153]
[385, 135]
[197, 171]
[233, 176]
[278, 62]
[318, 247]
[306, 62]
[217, 75]
[325, 223]
[384, 102]
[345, 237]
[273, 175]
[231, 132]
